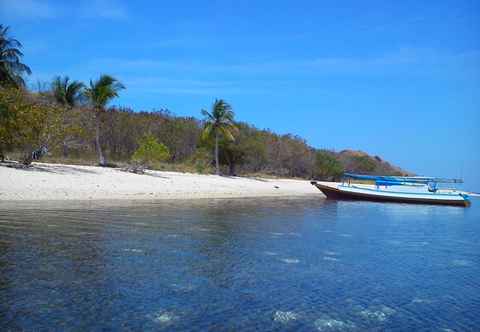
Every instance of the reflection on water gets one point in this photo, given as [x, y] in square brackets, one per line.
[302, 264]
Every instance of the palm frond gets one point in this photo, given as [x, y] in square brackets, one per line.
[73, 92]
[102, 91]
[219, 120]
[11, 68]
[226, 132]
[207, 115]
[207, 131]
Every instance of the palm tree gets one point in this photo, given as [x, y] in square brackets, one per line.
[11, 69]
[99, 94]
[67, 94]
[219, 122]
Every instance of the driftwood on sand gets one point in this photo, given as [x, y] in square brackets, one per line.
[137, 169]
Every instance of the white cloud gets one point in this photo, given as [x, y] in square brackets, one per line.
[26, 9]
[107, 9]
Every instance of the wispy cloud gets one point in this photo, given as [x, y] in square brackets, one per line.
[388, 62]
[107, 9]
[26, 9]
[152, 76]
[42, 9]
[163, 86]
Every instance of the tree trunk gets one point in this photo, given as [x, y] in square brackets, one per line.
[101, 158]
[232, 167]
[65, 145]
[217, 164]
[65, 149]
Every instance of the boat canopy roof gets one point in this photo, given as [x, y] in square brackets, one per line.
[400, 179]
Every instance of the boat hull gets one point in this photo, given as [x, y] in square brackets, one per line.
[339, 194]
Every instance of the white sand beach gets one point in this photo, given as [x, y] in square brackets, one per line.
[68, 182]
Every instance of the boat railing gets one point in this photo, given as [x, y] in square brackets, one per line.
[399, 180]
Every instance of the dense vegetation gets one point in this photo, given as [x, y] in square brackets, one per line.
[75, 123]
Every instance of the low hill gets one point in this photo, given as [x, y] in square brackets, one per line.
[361, 162]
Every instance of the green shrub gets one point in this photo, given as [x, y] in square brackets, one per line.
[150, 151]
[26, 124]
[364, 164]
[202, 160]
[327, 167]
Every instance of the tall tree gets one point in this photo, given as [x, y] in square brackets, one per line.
[99, 94]
[220, 121]
[67, 94]
[11, 69]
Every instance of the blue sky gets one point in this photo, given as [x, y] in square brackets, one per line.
[399, 79]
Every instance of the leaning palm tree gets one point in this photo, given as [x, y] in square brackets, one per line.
[219, 122]
[67, 94]
[11, 69]
[99, 94]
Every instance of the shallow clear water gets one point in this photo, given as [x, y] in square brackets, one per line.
[270, 265]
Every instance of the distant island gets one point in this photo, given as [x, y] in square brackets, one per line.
[70, 122]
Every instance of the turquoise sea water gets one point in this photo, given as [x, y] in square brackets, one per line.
[239, 265]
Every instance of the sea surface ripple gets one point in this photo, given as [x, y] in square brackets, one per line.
[263, 264]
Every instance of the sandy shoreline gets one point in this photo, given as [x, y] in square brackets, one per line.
[71, 182]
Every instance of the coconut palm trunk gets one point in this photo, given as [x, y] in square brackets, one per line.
[99, 93]
[65, 143]
[217, 163]
[219, 121]
[65, 149]
[101, 158]
[67, 94]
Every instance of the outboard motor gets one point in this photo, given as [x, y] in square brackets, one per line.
[432, 187]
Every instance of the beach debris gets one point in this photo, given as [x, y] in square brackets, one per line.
[19, 165]
[136, 169]
[284, 316]
[333, 325]
[34, 155]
